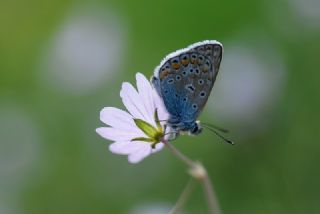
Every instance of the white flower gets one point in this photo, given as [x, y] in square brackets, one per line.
[139, 132]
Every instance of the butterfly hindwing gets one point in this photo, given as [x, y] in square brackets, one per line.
[185, 78]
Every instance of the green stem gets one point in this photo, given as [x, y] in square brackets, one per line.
[179, 155]
[183, 197]
[210, 195]
[198, 172]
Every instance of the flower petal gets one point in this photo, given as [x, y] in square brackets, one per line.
[126, 147]
[118, 118]
[158, 148]
[145, 92]
[133, 102]
[123, 128]
[139, 155]
[114, 134]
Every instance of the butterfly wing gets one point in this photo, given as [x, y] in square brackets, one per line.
[185, 78]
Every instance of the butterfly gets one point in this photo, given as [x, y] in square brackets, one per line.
[184, 80]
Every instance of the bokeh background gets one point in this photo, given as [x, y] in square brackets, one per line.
[63, 61]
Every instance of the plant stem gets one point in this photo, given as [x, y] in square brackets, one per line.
[197, 171]
[210, 195]
[183, 197]
[179, 155]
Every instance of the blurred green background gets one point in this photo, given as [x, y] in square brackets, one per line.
[61, 62]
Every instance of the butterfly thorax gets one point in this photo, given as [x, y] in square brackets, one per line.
[186, 127]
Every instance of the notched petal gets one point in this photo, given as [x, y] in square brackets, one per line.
[117, 118]
[140, 155]
[114, 134]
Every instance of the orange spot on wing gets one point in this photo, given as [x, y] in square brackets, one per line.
[185, 62]
[194, 61]
[176, 65]
[164, 74]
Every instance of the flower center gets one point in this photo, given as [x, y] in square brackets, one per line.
[154, 134]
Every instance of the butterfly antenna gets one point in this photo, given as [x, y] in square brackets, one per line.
[218, 134]
[216, 127]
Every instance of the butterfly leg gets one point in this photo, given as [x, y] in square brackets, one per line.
[173, 135]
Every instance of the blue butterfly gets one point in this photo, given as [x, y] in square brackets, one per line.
[184, 79]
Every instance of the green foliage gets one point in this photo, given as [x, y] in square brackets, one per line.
[56, 163]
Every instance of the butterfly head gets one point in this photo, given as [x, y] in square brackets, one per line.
[193, 128]
[196, 128]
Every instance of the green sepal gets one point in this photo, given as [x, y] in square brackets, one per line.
[148, 129]
[156, 118]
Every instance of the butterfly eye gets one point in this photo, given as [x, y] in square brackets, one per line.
[191, 70]
[197, 71]
[178, 77]
[166, 91]
[195, 129]
[194, 106]
[185, 99]
[200, 81]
